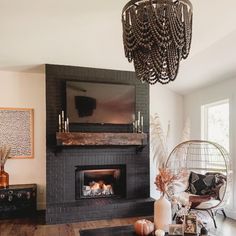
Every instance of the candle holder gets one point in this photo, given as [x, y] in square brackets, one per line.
[138, 124]
[63, 124]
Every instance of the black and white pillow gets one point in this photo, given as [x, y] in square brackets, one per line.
[201, 184]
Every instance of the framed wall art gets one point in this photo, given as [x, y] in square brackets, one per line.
[17, 131]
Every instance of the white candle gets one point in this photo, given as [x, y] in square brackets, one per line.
[141, 123]
[67, 123]
[62, 122]
[138, 125]
[59, 122]
[65, 127]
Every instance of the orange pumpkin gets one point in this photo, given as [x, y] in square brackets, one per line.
[143, 227]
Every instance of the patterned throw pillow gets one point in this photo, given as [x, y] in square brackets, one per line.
[220, 184]
[201, 184]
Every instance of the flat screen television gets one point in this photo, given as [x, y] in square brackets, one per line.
[100, 103]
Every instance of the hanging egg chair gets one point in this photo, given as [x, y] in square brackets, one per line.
[209, 172]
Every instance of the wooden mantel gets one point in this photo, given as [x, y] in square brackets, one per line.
[103, 139]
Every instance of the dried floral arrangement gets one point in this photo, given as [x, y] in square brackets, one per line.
[166, 180]
[4, 154]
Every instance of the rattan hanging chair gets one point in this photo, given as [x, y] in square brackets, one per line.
[202, 160]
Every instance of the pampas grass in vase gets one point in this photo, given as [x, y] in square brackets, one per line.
[162, 206]
[165, 179]
[4, 176]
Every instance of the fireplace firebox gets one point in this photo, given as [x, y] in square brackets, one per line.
[100, 181]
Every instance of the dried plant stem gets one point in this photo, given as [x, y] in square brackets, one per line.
[4, 154]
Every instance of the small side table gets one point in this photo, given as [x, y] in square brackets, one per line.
[18, 201]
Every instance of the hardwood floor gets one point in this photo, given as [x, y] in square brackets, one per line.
[37, 227]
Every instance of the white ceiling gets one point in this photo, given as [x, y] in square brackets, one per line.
[88, 33]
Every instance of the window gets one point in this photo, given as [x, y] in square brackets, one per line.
[215, 127]
[215, 123]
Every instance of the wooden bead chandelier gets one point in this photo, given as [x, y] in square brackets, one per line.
[157, 35]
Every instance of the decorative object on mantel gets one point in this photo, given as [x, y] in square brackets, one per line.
[4, 176]
[143, 227]
[157, 35]
[63, 124]
[138, 124]
[17, 131]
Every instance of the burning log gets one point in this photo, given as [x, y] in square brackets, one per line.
[97, 189]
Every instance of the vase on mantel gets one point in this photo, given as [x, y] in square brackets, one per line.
[4, 178]
[162, 213]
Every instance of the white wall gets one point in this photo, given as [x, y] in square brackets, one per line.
[27, 90]
[169, 106]
[192, 109]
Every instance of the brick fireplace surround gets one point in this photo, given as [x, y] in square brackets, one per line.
[62, 206]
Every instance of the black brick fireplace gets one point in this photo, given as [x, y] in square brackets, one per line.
[94, 182]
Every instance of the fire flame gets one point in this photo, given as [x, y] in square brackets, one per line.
[99, 185]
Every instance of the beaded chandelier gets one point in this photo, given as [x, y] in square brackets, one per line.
[157, 35]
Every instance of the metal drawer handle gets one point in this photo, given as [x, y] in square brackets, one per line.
[10, 198]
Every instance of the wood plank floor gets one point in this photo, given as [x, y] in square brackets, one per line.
[37, 227]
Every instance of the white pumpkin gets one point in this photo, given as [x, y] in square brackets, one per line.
[159, 232]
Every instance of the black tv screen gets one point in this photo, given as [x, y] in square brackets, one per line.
[100, 103]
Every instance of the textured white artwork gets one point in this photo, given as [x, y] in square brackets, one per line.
[16, 131]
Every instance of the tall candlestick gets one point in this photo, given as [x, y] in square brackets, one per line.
[141, 124]
[59, 122]
[67, 124]
[138, 125]
[62, 122]
[133, 122]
